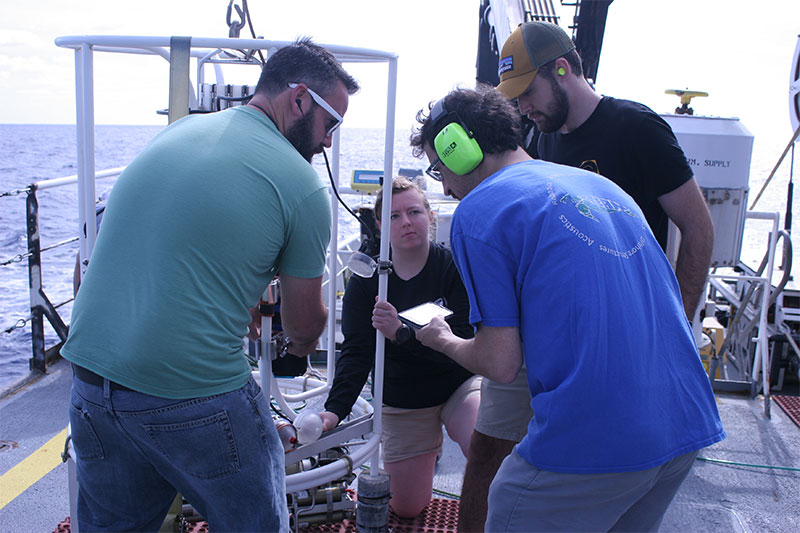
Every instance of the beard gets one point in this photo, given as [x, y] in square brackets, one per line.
[557, 111]
[299, 135]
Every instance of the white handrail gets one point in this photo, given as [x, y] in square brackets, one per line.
[131, 43]
[67, 180]
[761, 359]
[762, 351]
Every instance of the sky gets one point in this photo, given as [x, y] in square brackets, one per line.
[739, 53]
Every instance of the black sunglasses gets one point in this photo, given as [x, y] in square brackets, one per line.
[433, 171]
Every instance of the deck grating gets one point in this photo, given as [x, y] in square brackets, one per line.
[790, 405]
[63, 526]
[440, 516]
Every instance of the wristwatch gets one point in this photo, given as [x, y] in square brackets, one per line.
[402, 335]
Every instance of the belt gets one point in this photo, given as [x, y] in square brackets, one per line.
[89, 377]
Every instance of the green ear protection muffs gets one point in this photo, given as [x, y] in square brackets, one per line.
[454, 144]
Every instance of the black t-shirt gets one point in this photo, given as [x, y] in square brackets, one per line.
[415, 376]
[632, 146]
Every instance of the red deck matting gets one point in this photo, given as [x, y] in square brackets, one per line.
[440, 516]
[63, 526]
[790, 405]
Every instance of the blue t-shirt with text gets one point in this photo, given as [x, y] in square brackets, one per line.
[567, 257]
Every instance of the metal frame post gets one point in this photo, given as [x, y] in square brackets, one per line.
[40, 304]
[383, 278]
[84, 107]
[179, 56]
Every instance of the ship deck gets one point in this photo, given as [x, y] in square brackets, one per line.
[748, 482]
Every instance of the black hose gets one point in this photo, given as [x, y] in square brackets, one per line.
[366, 227]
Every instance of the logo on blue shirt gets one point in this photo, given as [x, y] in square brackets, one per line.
[585, 204]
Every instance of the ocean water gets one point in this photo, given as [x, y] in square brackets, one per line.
[36, 152]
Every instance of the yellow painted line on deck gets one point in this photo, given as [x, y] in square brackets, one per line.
[31, 469]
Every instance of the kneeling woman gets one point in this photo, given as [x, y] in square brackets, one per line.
[423, 388]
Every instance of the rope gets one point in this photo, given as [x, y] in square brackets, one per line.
[16, 259]
[19, 324]
[780, 160]
[250, 25]
[17, 192]
[19, 257]
[732, 463]
[788, 332]
[22, 322]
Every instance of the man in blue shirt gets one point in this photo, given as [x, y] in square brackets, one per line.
[624, 141]
[564, 275]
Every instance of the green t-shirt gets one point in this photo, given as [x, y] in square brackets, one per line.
[196, 227]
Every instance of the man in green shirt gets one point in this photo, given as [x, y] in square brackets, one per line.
[197, 227]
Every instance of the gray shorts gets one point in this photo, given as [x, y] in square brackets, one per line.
[505, 408]
[524, 498]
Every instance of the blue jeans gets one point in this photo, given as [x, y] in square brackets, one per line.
[134, 452]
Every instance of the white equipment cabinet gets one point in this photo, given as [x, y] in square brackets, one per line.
[719, 151]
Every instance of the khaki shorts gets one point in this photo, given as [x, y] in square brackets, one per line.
[505, 408]
[408, 433]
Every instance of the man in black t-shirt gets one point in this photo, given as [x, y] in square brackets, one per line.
[627, 143]
[624, 141]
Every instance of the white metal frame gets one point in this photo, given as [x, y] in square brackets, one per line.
[203, 48]
[761, 359]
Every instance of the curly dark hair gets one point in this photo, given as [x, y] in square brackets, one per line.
[494, 121]
[304, 62]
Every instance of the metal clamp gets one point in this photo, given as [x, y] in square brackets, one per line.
[384, 267]
[282, 343]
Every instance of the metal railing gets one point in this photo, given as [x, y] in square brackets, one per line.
[41, 306]
[752, 325]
